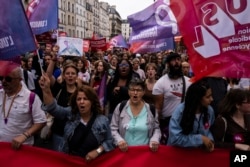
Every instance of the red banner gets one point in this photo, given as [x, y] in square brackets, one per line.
[135, 156]
[217, 36]
[98, 44]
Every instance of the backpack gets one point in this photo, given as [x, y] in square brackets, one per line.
[31, 100]
[124, 102]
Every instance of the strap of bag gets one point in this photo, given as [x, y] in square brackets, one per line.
[183, 89]
[31, 100]
[225, 122]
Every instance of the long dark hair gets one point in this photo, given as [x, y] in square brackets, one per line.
[193, 98]
[91, 95]
[117, 73]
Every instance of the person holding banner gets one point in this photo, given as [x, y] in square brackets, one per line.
[134, 121]
[191, 121]
[232, 127]
[21, 114]
[169, 91]
[87, 133]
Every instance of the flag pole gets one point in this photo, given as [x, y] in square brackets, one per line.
[39, 61]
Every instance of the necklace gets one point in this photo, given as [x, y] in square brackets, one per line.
[6, 115]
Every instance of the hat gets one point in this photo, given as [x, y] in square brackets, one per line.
[171, 56]
[138, 55]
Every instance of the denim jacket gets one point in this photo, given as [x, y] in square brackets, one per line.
[121, 118]
[100, 127]
[194, 139]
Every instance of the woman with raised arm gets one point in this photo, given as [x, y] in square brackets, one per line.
[87, 132]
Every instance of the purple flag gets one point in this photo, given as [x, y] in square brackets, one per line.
[43, 15]
[15, 34]
[118, 41]
[155, 22]
[152, 46]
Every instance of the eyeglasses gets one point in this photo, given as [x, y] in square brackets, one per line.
[123, 65]
[135, 90]
[7, 78]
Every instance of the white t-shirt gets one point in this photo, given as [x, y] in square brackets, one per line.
[172, 90]
[20, 119]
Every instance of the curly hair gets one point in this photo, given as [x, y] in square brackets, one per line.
[91, 95]
[193, 98]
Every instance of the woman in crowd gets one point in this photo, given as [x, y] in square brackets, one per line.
[232, 127]
[87, 132]
[191, 121]
[150, 82]
[118, 86]
[62, 92]
[135, 123]
[112, 65]
[83, 74]
[99, 81]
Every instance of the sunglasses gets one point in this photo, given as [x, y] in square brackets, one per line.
[7, 78]
[123, 65]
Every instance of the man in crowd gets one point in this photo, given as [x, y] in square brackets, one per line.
[21, 115]
[169, 91]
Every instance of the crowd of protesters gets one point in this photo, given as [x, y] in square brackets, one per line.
[114, 98]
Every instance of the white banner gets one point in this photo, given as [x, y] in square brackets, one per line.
[70, 46]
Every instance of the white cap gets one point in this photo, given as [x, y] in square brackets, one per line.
[138, 55]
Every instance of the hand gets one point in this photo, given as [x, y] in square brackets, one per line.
[91, 155]
[209, 144]
[243, 147]
[123, 146]
[44, 82]
[154, 146]
[116, 90]
[18, 141]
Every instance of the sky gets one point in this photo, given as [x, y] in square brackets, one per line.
[128, 7]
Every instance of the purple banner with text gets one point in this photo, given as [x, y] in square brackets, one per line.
[43, 15]
[152, 46]
[15, 34]
[155, 22]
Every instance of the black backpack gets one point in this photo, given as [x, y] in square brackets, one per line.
[151, 106]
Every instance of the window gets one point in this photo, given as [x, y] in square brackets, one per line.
[73, 23]
[68, 6]
[69, 20]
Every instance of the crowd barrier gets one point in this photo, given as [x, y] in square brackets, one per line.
[139, 156]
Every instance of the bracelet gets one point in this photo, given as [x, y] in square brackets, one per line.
[27, 136]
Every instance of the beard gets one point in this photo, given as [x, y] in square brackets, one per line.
[175, 71]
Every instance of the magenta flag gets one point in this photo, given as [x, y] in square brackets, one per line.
[43, 15]
[217, 36]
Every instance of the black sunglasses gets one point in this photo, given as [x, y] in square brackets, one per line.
[7, 78]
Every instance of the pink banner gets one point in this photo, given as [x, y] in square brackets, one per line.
[135, 156]
[217, 35]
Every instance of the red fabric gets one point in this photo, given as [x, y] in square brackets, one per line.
[98, 44]
[8, 66]
[216, 34]
[136, 156]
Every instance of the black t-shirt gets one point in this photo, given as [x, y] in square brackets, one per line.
[83, 140]
[60, 93]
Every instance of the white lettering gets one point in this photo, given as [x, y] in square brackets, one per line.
[239, 158]
[6, 42]
[38, 24]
